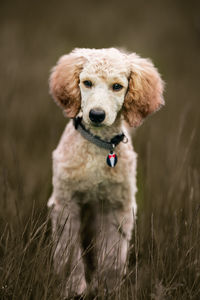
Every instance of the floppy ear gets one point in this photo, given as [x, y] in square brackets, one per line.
[144, 95]
[64, 83]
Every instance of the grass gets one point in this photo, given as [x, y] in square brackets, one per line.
[164, 257]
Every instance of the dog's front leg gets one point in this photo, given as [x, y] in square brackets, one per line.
[105, 239]
[67, 251]
[113, 242]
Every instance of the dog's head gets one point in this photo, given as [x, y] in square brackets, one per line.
[102, 84]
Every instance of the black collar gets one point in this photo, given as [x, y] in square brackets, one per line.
[97, 140]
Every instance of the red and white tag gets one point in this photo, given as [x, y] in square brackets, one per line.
[112, 159]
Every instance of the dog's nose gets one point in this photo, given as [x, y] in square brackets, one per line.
[97, 115]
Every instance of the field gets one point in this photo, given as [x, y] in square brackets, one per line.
[164, 257]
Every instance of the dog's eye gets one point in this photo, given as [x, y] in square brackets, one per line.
[87, 83]
[117, 87]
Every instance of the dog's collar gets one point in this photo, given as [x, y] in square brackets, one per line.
[96, 139]
[112, 157]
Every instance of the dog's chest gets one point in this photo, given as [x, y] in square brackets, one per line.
[89, 165]
[85, 167]
[82, 165]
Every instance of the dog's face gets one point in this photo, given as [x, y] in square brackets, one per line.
[103, 92]
[101, 84]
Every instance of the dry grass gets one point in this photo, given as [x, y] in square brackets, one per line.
[165, 257]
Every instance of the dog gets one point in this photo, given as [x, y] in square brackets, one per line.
[93, 205]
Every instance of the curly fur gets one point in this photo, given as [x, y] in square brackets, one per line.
[93, 205]
[145, 91]
[64, 82]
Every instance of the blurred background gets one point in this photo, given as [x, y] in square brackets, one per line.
[165, 259]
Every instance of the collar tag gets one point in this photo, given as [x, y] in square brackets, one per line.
[111, 159]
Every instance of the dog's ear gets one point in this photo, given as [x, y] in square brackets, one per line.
[144, 94]
[64, 83]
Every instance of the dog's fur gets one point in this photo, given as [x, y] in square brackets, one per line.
[93, 205]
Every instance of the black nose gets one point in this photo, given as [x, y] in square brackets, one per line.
[97, 115]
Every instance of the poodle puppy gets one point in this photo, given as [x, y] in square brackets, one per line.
[93, 206]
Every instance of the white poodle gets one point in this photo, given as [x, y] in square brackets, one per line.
[94, 166]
